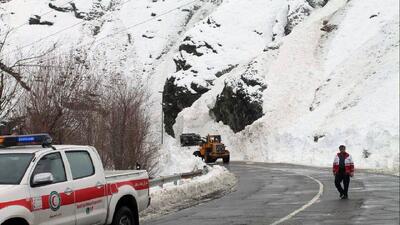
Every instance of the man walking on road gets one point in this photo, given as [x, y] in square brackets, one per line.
[343, 169]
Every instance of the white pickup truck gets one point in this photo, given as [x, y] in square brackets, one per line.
[65, 185]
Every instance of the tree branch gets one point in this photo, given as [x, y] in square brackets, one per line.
[17, 76]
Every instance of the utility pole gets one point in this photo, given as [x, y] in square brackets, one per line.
[162, 117]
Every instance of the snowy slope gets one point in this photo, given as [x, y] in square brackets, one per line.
[326, 74]
[122, 35]
[324, 89]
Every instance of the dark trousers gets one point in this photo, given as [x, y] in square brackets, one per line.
[346, 181]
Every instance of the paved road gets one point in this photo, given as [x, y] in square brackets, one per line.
[287, 194]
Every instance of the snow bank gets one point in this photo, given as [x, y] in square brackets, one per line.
[189, 192]
[176, 159]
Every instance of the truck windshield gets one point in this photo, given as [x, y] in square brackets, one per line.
[13, 167]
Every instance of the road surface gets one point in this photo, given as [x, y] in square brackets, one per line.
[287, 194]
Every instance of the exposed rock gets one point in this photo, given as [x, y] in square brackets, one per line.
[148, 34]
[234, 107]
[317, 3]
[190, 47]
[181, 64]
[273, 46]
[258, 32]
[296, 16]
[97, 11]
[366, 153]
[212, 23]
[96, 30]
[317, 137]
[36, 20]
[238, 105]
[225, 71]
[61, 9]
[177, 98]
[372, 16]
[78, 14]
[328, 27]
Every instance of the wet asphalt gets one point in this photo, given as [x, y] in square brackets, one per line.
[287, 194]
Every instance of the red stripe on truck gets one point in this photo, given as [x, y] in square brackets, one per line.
[27, 203]
[81, 195]
[137, 184]
[87, 194]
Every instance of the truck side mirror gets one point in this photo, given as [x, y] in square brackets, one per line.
[42, 179]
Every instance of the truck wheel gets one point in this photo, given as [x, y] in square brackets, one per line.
[226, 159]
[124, 216]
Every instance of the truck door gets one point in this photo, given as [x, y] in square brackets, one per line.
[52, 203]
[90, 188]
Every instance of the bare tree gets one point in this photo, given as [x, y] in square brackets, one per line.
[12, 79]
[9, 93]
[21, 60]
[128, 127]
[65, 96]
[78, 105]
[58, 96]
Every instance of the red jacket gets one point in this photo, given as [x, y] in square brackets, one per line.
[348, 161]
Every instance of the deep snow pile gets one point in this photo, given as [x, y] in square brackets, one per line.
[175, 159]
[334, 80]
[189, 192]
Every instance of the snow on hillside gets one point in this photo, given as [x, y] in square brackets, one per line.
[288, 80]
[123, 36]
[325, 88]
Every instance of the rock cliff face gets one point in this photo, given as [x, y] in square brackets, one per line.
[240, 102]
[297, 13]
[175, 99]
[216, 46]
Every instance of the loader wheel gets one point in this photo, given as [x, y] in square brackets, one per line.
[207, 158]
[211, 160]
[226, 159]
[123, 216]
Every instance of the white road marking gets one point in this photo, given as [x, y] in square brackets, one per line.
[312, 201]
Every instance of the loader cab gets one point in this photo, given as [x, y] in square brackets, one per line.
[214, 138]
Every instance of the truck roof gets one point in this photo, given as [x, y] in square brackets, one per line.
[38, 148]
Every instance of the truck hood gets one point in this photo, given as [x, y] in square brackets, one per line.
[5, 188]
[13, 192]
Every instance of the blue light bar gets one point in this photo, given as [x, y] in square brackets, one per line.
[26, 139]
[18, 140]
